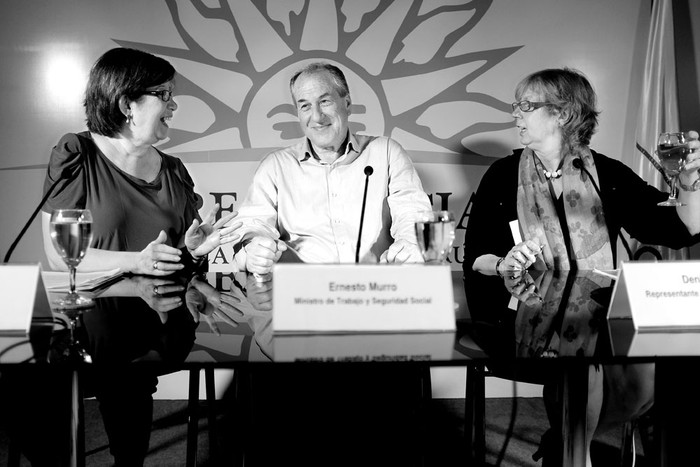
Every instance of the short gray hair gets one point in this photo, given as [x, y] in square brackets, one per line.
[341, 84]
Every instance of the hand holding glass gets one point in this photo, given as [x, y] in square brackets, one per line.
[71, 233]
[672, 150]
[435, 232]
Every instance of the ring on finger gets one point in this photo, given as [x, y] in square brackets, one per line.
[155, 289]
[155, 264]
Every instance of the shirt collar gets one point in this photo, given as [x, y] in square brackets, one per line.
[307, 152]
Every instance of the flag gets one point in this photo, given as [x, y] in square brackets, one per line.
[658, 110]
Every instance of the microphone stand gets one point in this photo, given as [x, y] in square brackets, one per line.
[64, 175]
[368, 171]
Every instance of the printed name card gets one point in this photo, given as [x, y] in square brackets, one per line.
[362, 298]
[23, 296]
[658, 296]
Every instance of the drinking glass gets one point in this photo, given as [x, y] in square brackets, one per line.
[672, 149]
[71, 232]
[435, 231]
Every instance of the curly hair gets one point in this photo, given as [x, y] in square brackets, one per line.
[570, 95]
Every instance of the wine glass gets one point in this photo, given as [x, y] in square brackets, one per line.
[71, 233]
[435, 231]
[672, 149]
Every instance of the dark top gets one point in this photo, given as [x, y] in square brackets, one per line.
[628, 202]
[127, 212]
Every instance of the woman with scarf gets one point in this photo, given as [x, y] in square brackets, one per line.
[569, 201]
[558, 205]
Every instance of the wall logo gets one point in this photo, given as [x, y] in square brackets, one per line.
[405, 61]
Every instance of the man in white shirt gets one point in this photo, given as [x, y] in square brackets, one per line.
[305, 201]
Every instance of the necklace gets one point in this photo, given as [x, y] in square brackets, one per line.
[556, 174]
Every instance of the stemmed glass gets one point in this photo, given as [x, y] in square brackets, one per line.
[672, 149]
[71, 232]
[435, 231]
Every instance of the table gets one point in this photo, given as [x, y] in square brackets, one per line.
[144, 326]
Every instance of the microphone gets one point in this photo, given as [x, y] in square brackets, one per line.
[578, 163]
[65, 174]
[368, 171]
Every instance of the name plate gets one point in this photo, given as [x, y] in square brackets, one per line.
[332, 298]
[658, 296]
[24, 297]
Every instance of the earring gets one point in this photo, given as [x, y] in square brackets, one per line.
[128, 119]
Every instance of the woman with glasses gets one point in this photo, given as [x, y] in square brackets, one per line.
[558, 205]
[145, 220]
[143, 203]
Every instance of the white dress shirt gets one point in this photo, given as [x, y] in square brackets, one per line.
[315, 207]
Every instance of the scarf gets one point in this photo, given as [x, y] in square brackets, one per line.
[566, 321]
[538, 219]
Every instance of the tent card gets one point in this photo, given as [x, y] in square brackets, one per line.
[24, 295]
[362, 298]
[661, 296]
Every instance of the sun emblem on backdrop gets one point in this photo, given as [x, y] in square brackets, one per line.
[403, 61]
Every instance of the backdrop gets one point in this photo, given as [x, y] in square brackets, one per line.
[436, 75]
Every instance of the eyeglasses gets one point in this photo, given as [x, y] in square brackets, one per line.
[527, 106]
[164, 94]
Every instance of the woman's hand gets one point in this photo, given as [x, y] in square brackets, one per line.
[522, 286]
[162, 295]
[205, 302]
[689, 183]
[520, 257]
[691, 169]
[157, 259]
[201, 239]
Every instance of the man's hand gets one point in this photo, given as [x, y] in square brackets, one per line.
[402, 251]
[260, 292]
[262, 253]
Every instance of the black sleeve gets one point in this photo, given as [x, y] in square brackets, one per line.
[493, 207]
[69, 153]
[631, 203]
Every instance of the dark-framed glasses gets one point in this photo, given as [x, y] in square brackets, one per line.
[163, 94]
[528, 106]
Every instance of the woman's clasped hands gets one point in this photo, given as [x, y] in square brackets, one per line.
[522, 286]
[520, 257]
